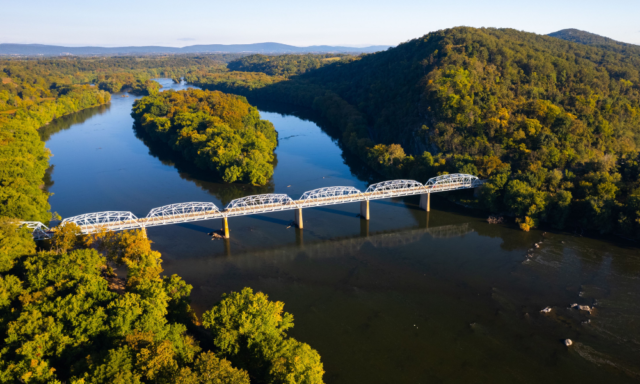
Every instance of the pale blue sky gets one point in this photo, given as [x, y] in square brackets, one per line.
[332, 22]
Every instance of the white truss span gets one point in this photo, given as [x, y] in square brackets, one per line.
[182, 212]
[454, 181]
[329, 196]
[38, 230]
[269, 202]
[393, 188]
[111, 220]
[272, 202]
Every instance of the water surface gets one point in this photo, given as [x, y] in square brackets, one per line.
[409, 297]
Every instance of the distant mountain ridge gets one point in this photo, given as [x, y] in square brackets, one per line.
[266, 48]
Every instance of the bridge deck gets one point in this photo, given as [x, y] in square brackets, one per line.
[294, 204]
[250, 205]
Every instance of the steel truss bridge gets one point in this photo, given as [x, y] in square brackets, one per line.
[272, 202]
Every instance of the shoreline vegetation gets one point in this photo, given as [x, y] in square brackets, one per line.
[65, 316]
[216, 131]
[553, 125]
[33, 92]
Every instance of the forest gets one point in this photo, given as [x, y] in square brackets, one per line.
[553, 125]
[65, 316]
[217, 131]
[285, 65]
[33, 92]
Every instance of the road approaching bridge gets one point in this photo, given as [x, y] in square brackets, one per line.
[272, 202]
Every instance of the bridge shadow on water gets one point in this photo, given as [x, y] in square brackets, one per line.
[271, 219]
[335, 211]
[196, 227]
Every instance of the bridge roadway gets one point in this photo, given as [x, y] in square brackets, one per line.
[250, 205]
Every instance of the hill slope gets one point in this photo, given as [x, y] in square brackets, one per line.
[554, 124]
[587, 38]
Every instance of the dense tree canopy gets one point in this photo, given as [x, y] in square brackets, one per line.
[285, 65]
[34, 92]
[66, 317]
[220, 132]
[554, 125]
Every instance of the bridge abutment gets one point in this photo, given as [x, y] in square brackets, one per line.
[364, 209]
[297, 220]
[425, 202]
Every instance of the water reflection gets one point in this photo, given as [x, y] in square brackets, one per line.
[68, 121]
[207, 180]
[406, 297]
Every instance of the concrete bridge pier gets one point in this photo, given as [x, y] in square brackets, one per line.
[364, 209]
[225, 228]
[297, 220]
[425, 201]
[144, 232]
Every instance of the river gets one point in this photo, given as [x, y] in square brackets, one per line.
[410, 297]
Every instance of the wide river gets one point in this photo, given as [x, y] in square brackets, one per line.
[410, 297]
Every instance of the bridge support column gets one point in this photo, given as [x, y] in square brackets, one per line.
[144, 232]
[364, 209]
[425, 202]
[297, 220]
[225, 228]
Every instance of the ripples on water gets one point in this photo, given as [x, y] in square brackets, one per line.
[409, 297]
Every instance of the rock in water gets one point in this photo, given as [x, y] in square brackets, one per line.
[568, 342]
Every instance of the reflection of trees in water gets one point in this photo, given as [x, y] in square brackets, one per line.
[208, 180]
[67, 121]
[64, 123]
[357, 167]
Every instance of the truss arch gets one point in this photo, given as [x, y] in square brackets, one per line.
[330, 195]
[453, 181]
[39, 231]
[268, 202]
[181, 212]
[110, 220]
[392, 188]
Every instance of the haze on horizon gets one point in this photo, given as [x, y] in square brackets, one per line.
[331, 22]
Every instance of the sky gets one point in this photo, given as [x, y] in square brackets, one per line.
[301, 23]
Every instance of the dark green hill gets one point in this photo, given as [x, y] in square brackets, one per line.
[555, 124]
[588, 38]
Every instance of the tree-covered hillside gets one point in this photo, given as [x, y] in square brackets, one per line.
[284, 65]
[588, 38]
[554, 125]
[219, 132]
